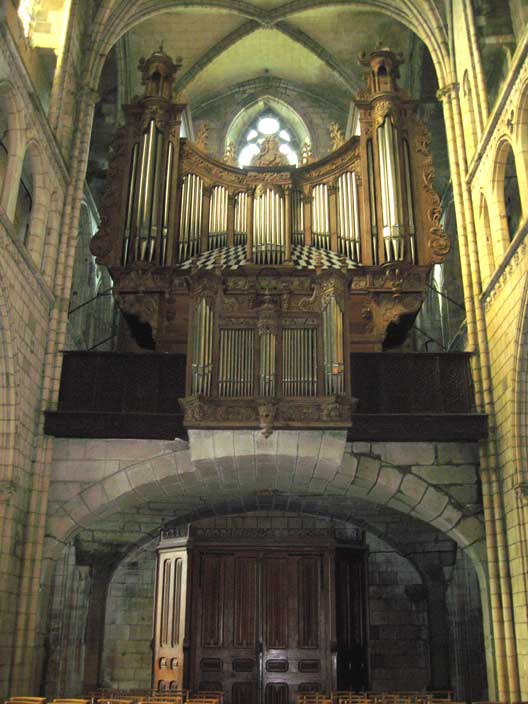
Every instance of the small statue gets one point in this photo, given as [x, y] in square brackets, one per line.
[229, 155]
[269, 154]
[336, 136]
[202, 136]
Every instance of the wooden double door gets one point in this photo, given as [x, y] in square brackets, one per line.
[263, 625]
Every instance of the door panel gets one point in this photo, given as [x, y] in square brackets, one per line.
[295, 625]
[226, 614]
[170, 619]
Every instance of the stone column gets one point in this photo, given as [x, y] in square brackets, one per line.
[101, 574]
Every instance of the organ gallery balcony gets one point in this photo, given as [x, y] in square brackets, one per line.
[265, 280]
[422, 396]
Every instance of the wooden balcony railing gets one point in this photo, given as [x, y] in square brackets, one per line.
[401, 397]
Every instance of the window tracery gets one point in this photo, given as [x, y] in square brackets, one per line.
[268, 125]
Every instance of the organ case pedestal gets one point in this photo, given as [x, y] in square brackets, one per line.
[250, 609]
[268, 277]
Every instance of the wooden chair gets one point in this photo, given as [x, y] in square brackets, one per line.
[205, 694]
[349, 698]
[26, 700]
[313, 698]
[203, 700]
[109, 700]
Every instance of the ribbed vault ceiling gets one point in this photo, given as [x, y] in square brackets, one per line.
[315, 48]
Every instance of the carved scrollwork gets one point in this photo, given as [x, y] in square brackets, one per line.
[439, 245]
[144, 306]
[381, 109]
[102, 243]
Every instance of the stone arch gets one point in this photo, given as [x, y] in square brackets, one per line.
[11, 105]
[505, 167]
[40, 201]
[520, 136]
[375, 477]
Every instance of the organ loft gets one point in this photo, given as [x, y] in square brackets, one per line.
[264, 280]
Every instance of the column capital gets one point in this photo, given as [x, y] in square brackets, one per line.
[448, 91]
[89, 93]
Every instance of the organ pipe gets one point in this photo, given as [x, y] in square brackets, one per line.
[391, 190]
[297, 212]
[333, 354]
[190, 216]
[372, 203]
[320, 217]
[299, 362]
[166, 204]
[237, 351]
[202, 349]
[130, 203]
[268, 228]
[218, 217]
[348, 216]
[268, 344]
[240, 230]
[409, 199]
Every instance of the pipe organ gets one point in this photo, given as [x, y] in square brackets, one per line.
[268, 277]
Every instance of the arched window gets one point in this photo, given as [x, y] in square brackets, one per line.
[485, 243]
[268, 124]
[24, 204]
[512, 196]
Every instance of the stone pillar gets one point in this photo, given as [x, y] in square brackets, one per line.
[438, 631]
[101, 573]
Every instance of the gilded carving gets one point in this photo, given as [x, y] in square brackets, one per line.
[337, 138]
[382, 108]
[269, 154]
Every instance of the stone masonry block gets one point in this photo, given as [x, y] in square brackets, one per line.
[349, 466]
[288, 443]
[469, 530]
[447, 474]
[431, 505]
[449, 518]
[405, 453]
[201, 445]
[244, 443]
[388, 483]
[457, 453]
[117, 485]
[223, 442]
[310, 443]
[413, 487]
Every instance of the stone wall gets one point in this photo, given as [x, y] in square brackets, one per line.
[399, 634]
[127, 654]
